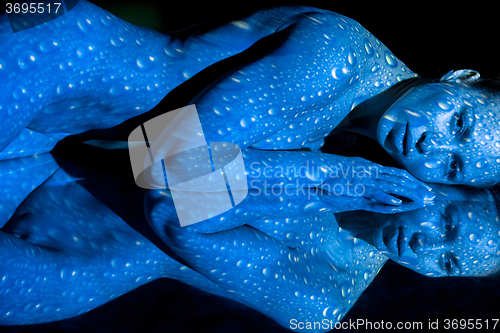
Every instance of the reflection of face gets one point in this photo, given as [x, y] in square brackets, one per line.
[449, 238]
[444, 133]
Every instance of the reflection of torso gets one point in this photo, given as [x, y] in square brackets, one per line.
[355, 262]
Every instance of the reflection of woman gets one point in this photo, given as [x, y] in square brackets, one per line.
[287, 257]
[296, 74]
[64, 252]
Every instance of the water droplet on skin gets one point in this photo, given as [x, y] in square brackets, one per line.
[32, 307]
[444, 104]
[345, 289]
[26, 60]
[68, 273]
[391, 59]
[119, 263]
[351, 59]
[481, 164]
[432, 163]
[117, 41]
[367, 275]
[49, 309]
[145, 62]
[83, 51]
[474, 238]
[267, 272]
[339, 73]
[248, 121]
[64, 87]
[48, 46]
[119, 89]
[497, 144]
[488, 137]
[152, 86]
[174, 49]
[243, 264]
[19, 92]
[369, 48]
[85, 24]
[24, 292]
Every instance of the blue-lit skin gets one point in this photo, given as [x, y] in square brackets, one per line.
[19, 177]
[88, 69]
[283, 255]
[454, 237]
[286, 256]
[452, 134]
[64, 253]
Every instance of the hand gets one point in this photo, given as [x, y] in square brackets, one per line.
[360, 178]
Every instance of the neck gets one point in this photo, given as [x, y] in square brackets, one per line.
[364, 118]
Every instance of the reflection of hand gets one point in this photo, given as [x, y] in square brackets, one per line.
[284, 257]
[366, 179]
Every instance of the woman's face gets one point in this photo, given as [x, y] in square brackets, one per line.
[451, 238]
[444, 133]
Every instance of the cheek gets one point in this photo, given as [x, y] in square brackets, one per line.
[429, 266]
[426, 167]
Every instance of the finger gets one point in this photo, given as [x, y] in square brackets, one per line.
[386, 198]
[417, 187]
[404, 174]
[386, 209]
[384, 191]
[399, 177]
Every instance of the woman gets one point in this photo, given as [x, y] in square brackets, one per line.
[304, 259]
[283, 79]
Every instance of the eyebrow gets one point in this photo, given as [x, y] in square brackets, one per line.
[454, 258]
[460, 176]
[453, 212]
[469, 114]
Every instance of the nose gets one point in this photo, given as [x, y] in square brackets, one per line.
[420, 244]
[427, 143]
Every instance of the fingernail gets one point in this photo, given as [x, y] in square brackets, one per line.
[396, 201]
[430, 197]
[428, 202]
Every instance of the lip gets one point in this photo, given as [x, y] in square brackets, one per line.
[398, 139]
[393, 239]
[390, 240]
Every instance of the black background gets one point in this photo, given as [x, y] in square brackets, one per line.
[430, 41]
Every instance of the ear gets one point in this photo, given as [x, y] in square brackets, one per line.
[460, 76]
